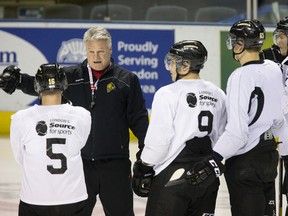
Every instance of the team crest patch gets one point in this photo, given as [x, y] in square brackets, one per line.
[110, 87]
[41, 128]
[191, 100]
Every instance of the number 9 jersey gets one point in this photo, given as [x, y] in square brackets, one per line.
[183, 110]
[46, 142]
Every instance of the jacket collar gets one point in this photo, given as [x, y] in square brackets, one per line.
[84, 68]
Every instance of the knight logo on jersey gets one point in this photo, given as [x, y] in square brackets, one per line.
[41, 128]
[191, 100]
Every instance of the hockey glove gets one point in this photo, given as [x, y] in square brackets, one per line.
[205, 172]
[142, 178]
[10, 79]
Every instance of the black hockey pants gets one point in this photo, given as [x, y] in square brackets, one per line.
[184, 199]
[250, 180]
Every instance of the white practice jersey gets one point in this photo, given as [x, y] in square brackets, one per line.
[254, 94]
[181, 111]
[46, 142]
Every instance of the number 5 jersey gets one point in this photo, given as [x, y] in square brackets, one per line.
[46, 142]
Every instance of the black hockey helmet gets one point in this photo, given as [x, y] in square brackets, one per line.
[281, 28]
[251, 32]
[50, 77]
[282, 25]
[191, 50]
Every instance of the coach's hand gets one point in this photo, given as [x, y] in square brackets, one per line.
[142, 178]
[10, 79]
[205, 172]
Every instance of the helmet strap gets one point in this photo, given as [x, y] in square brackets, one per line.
[234, 54]
[180, 76]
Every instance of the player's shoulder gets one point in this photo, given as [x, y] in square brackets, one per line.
[211, 84]
[166, 91]
[75, 108]
[237, 73]
[272, 66]
[246, 70]
[214, 89]
[169, 87]
[76, 111]
[29, 111]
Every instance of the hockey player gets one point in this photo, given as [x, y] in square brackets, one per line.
[187, 118]
[279, 50]
[278, 53]
[255, 117]
[46, 142]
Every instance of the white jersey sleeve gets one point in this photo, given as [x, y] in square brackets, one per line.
[47, 142]
[181, 111]
[15, 137]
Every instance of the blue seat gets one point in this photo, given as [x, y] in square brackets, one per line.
[214, 14]
[63, 11]
[111, 12]
[166, 13]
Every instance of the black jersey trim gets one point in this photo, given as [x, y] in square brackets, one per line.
[261, 61]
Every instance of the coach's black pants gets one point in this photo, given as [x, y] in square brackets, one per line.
[111, 180]
[250, 180]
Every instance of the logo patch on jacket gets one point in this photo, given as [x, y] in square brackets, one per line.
[110, 87]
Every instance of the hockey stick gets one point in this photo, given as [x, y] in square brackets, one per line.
[280, 185]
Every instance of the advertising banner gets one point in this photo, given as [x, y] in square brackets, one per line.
[138, 50]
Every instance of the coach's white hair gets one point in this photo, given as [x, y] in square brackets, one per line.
[98, 33]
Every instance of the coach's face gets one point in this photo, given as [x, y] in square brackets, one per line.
[282, 43]
[98, 54]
